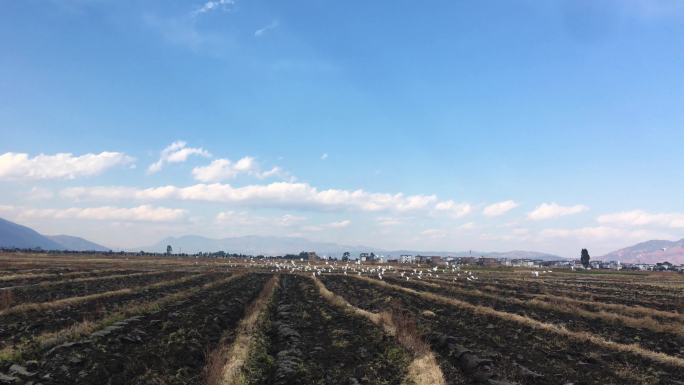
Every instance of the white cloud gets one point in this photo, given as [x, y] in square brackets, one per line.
[275, 195]
[107, 213]
[643, 218]
[227, 217]
[331, 225]
[388, 221]
[176, 152]
[289, 220]
[521, 231]
[456, 209]
[598, 233]
[245, 218]
[18, 166]
[39, 194]
[499, 208]
[213, 5]
[467, 226]
[222, 169]
[261, 31]
[554, 210]
[7, 208]
[434, 233]
[340, 224]
[219, 169]
[324, 156]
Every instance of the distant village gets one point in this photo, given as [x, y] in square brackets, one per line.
[438, 260]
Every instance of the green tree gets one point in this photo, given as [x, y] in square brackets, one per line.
[584, 258]
[169, 249]
[345, 256]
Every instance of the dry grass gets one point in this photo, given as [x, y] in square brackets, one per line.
[97, 278]
[50, 339]
[12, 277]
[529, 322]
[570, 307]
[225, 364]
[645, 322]
[638, 311]
[618, 288]
[61, 303]
[6, 299]
[338, 301]
[424, 369]
[55, 275]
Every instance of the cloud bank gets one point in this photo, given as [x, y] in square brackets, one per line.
[19, 166]
[176, 152]
[554, 210]
[643, 218]
[223, 169]
[142, 213]
[274, 195]
[500, 208]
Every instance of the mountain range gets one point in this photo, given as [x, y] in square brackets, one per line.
[251, 244]
[13, 235]
[255, 245]
[649, 252]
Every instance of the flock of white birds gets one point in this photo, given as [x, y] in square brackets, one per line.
[451, 272]
[379, 271]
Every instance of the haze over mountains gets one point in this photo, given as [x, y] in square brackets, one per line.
[255, 245]
[69, 242]
[13, 235]
[649, 252]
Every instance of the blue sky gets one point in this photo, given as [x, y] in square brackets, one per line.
[563, 118]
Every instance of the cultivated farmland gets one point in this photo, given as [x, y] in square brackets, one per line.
[104, 319]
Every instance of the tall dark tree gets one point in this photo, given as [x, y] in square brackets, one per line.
[169, 249]
[584, 258]
[345, 256]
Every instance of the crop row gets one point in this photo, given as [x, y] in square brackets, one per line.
[645, 331]
[165, 343]
[29, 321]
[51, 291]
[522, 349]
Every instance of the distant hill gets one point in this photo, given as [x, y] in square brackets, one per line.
[256, 245]
[250, 244]
[649, 252]
[520, 254]
[516, 254]
[13, 235]
[69, 242]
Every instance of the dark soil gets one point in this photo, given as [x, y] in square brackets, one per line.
[75, 288]
[667, 343]
[519, 353]
[165, 347]
[27, 279]
[309, 341]
[18, 327]
[615, 292]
